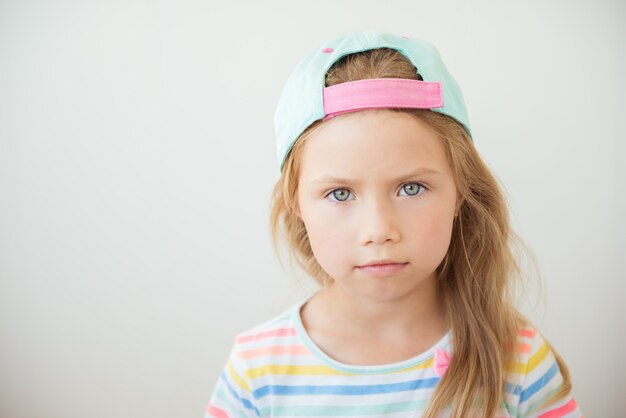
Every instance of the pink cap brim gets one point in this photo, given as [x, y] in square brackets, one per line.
[377, 93]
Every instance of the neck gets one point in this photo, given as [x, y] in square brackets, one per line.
[418, 312]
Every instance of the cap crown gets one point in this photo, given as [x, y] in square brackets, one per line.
[301, 101]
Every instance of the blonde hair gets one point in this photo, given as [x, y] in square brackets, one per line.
[476, 275]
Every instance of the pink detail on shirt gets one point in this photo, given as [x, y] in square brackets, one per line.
[278, 332]
[529, 333]
[442, 361]
[560, 411]
[216, 412]
[274, 350]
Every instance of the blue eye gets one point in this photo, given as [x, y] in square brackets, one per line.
[340, 195]
[409, 189]
[417, 187]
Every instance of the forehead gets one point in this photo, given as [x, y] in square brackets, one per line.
[372, 144]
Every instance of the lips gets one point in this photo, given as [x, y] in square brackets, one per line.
[382, 268]
[381, 262]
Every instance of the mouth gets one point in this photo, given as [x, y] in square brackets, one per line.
[383, 262]
[382, 269]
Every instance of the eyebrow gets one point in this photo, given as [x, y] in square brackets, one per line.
[418, 172]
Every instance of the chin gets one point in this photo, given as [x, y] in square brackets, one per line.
[383, 291]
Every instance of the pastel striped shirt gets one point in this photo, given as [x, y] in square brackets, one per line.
[276, 370]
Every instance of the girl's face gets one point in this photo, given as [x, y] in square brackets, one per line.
[375, 185]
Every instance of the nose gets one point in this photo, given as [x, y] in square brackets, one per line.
[380, 222]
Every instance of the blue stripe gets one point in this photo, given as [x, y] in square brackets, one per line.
[345, 389]
[540, 383]
[514, 389]
[246, 403]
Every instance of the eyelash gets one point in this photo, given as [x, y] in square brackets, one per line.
[422, 190]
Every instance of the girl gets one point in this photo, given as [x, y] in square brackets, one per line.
[385, 202]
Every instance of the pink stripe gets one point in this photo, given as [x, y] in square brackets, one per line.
[376, 93]
[215, 412]
[519, 347]
[278, 332]
[528, 332]
[299, 350]
[560, 411]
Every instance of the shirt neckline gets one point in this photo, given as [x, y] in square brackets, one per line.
[444, 343]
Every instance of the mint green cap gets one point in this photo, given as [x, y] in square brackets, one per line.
[301, 101]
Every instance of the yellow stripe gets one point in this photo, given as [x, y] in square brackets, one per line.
[424, 365]
[236, 378]
[537, 357]
[533, 361]
[516, 367]
[285, 369]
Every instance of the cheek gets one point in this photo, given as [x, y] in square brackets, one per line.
[318, 235]
[431, 236]
[326, 237]
[442, 243]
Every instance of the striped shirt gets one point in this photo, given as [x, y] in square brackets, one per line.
[276, 370]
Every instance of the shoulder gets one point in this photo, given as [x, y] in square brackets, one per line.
[264, 339]
[538, 378]
[279, 326]
[236, 391]
[534, 353]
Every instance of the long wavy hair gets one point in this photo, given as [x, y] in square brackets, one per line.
[479, 271]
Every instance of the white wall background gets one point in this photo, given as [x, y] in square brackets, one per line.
[137, 161]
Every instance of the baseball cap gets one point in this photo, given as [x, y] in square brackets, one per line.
[305, 99]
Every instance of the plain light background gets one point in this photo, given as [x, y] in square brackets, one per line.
[137, 160]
